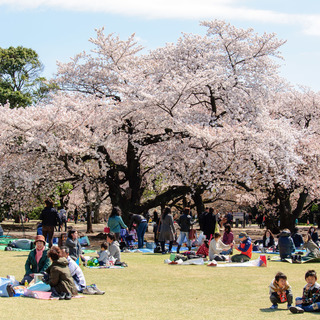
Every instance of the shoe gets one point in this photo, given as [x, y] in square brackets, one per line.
[88, 290]
[289, 306]
[97, 291]
[62, 296]
[138, 251]
[274, 306]
[126, 251]
[296, 310]
[68, 296]
[10, 290]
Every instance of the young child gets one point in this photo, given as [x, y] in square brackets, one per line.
[103, 254]
[280, 291]
[310, 300]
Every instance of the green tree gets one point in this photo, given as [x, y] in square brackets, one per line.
[20, 81]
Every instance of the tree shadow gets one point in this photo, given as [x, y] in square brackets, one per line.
[268, 310]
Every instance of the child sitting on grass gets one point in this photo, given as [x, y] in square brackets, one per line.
[103, 254]
[310, 300]
[280, 291]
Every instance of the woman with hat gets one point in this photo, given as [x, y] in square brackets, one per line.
[37, 261]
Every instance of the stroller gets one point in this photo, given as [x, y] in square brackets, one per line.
[126, 240]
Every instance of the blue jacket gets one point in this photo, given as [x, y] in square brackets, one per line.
[115, 223]
[286, 245]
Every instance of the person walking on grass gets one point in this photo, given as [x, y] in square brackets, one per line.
[50, 219]
[168, 230]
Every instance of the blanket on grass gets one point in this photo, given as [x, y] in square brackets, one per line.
[303, 259]
[260, 262]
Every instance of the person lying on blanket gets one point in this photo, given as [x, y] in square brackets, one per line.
[75, 270]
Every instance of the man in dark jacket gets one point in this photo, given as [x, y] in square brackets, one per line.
[285, 244]
[185, 222]
[50, 219]
[297, 238]
[209, 223]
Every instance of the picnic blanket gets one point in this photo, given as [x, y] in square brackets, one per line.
[105, 267]
[260, 262]
[304, 259]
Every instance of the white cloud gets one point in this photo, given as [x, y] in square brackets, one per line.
[176, 9]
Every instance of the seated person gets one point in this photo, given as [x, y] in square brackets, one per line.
[313, 249]
[216, 247]
[114, 247]
[285, 244]
[310, 300]
[245, 247]
[75, 270]
[203, 249]
[60, 279]
[297, 238]
[314, 234]
[227, 238]
[103, 254]
[268, 240]
[37, 261]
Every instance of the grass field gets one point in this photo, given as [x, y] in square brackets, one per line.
[150, 289]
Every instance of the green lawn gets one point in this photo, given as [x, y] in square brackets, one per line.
[150, 289]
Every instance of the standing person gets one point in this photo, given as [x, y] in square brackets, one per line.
[156, 227]
[201, 218]
[74, 245]
[310, 300]
[37, 261]
[280, 291]
[285, 244]
[50, 219]
[115, 222]
[168, 231]
[245, 248]
[62, 219]
[76, 214]
[209, 224]
[185, 222]
[141, 226]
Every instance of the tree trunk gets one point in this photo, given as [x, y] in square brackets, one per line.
[88, 209]
[197, 199]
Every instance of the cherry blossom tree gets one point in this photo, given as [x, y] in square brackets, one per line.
[202, 114]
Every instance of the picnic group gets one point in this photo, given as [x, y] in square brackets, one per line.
[58, 265]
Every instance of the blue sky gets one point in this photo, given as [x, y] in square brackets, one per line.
[59, 29]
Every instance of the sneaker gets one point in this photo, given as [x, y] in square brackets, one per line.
[274, 306]
[88, 290]
[126, 251]
[296, 310]
[97, 291]
[68, 296]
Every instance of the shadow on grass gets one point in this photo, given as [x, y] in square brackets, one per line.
[268, 310]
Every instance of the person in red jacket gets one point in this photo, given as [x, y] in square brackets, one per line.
[245, 248]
